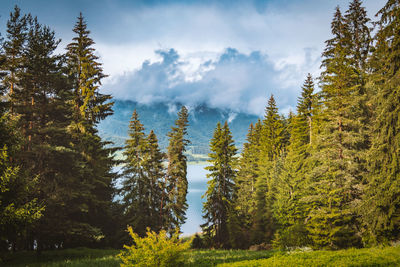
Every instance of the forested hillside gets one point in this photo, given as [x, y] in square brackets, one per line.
[160, 116]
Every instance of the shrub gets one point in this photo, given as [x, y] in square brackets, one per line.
[294, 236]
[154, 250]
[197, 242]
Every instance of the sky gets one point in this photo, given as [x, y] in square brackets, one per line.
[226, 54]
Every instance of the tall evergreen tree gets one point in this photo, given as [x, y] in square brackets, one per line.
[144, 186]
[338, 153]
[86, 74]
[155, 173]
[133, 186]
[89, 108]
[289, 209]
[381, 208]
[40, 101]
[245, 185]
[177, 169]
[14, 45]
[273, 138]
[18, 208]
[219, 194]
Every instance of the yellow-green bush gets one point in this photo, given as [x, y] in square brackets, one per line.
[154, 250]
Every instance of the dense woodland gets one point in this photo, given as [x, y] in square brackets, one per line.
[57, 175]
[327, 176]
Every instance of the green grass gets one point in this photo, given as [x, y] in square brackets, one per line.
[68, 257]
[388, 256]
[215, 257]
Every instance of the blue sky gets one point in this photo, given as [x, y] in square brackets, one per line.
[228, 54]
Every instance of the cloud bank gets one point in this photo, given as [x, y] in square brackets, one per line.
[236, 81]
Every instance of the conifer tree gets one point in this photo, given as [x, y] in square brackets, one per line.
[219, 194]
[18, 208]
[155, 173]
[86, 74]
[144, 188]
[89, 108]
[272, 143]
[381, 203]
[245, 185]
[14, 45]
[40, 100]
[338, 153]
[177, 184]
[133, 186]
[288, 207]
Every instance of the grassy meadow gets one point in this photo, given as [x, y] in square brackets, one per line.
[385, 256]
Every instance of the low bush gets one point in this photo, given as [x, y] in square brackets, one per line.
[154, 250]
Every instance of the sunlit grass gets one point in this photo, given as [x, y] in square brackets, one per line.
[387, 256]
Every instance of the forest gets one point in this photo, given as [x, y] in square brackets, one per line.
[326, 176]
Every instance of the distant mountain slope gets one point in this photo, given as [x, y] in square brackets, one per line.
[160, 117]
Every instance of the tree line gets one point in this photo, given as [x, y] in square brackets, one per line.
[328, 176]
[57, 176]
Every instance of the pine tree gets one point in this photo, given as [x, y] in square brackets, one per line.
[272, 141]
[177, 170]
[288, 207]
[155, 173]
[338, 153]
[219, 194]
[86, 74]
[40, 101]
[133, 186]
[381, 208]
[89, 108]
[18, 209]
[245, 186]
[144, 186]
[14, 60]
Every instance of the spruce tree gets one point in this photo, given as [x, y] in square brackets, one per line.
[272, 141]
[381, 203]
[289, 210]
[219, 194]
[133, 185]
[144, 187]
[40, 100]
[89, 108]
[245, 185]
[14, 45]
[155, 172]
[337, 156]
[86, 74]
[177, 184]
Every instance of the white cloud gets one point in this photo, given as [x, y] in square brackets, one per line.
[234, 80]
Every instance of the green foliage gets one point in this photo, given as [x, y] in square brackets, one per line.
[219, 194]
[177, 184]
[338, 157]
[289, 209]
[17, 208]
[381, 203]
[272, 142]
[144, 187]
[154, 250]
[197, 242]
